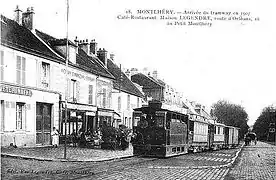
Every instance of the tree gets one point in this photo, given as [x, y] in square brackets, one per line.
[264, 122]
[231, 115]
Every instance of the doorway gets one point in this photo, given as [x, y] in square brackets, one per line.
[43, 123]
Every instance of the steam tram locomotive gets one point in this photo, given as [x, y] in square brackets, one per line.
[164, 133]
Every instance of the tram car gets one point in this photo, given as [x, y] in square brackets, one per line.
[218, 141]
[234, 137]
[198, 138]
[159, 132]
[164, 133]
[222, 136]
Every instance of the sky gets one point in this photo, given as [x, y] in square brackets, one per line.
[234, 61]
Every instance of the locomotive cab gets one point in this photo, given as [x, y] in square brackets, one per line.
[159, 132]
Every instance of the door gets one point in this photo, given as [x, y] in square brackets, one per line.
[43, 123]
[226, 136]
[211, 135]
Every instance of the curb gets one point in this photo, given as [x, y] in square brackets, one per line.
[124, 157]
[202, 167]
[62, 160]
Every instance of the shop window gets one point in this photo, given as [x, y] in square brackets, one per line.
[119, 103]
[45, 75]
[20, 115]
[90, 94]
[1, 65]
[20, 70]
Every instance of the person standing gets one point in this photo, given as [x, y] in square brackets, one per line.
[55, 136]
[74, 138]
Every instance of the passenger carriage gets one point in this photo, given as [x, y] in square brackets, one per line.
[217, 135]
[198, 133]
[159, 132]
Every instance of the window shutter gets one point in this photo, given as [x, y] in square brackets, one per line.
[38, 73]
[90, 94]
[78, 91]
[18, 70]
[68, 89]
[50, 75]
[104, 98]
[23, 70]
[119, 103]
[2, 65]
[24, 117]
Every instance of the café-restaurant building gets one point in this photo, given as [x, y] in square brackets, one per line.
[29, 106]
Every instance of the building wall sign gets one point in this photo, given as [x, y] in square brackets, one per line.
[78, 75]
[15, 90]
[81, 107]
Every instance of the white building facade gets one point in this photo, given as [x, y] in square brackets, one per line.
[28, 110]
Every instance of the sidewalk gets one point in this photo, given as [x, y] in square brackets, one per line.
[255, 162]
[74, 154]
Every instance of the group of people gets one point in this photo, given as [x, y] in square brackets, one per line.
[84, 138]
[250, 137]
[94, 138]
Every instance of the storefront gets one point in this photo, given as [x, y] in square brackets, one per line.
[80, 118]
[27, 115]
[105, 116]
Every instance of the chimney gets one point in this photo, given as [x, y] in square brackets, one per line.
[28, 18]
[84, 46]
[93, 47]
[77, 44]
[155, 74]
[102, 55]
[133, 71]
[18, 15]
[112, 56]
[128, 73]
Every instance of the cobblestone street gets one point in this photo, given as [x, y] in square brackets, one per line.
[206, 165]
[255, 162]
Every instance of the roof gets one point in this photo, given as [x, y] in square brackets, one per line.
[83, 61]
[147, 81]
[147, 109]
[122, 81]
[22, 39]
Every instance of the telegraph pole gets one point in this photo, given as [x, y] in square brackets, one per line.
[66, 78]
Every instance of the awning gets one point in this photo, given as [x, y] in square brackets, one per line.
[81, 107]
[116, 115]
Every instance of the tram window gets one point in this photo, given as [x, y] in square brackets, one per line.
[159, 121]
[174, 116]
[136, 120]
[150, 120]
[168, 120]
[191, 127]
